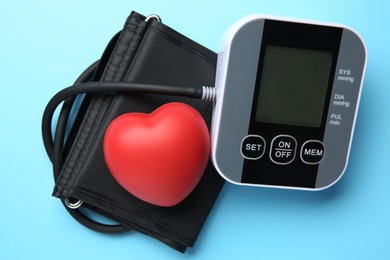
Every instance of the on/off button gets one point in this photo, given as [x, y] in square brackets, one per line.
[253, 147]
[283, 149]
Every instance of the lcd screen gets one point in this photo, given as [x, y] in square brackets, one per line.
[293, 86]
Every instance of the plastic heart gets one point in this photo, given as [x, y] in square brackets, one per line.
[158, 157]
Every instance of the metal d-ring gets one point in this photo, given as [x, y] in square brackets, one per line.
[152, 16]
[73, 205]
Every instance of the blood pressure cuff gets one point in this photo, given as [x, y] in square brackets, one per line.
[143, 52]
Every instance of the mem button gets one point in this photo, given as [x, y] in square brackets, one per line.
[312, 152]
[253, 147]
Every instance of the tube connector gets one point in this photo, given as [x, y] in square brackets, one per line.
[209, 93]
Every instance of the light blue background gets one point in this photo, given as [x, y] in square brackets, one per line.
[46, 44]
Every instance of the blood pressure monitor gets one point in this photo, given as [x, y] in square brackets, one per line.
[287, 98]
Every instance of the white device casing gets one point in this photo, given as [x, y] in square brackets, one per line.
[223, 69]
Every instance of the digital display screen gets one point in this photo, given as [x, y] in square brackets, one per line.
[293, 86]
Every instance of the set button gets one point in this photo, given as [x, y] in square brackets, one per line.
[253, 147]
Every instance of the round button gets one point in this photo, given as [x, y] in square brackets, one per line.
[312, 152]
[283, 149]
[253, 147]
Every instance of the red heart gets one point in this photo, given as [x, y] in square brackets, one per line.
[158, 157]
